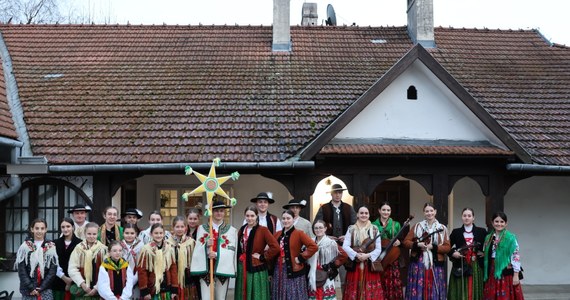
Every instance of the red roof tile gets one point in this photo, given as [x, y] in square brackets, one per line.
[145, 94]
[7, 128]
[368, 149]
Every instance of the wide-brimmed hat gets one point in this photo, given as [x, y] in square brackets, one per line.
[337, 187]
[263, 196]
[293, 202]
[132, 212]
[79, 207]
[219, 204]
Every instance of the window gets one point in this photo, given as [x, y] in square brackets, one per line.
[412, 93]
[172, 204]
[46, 198]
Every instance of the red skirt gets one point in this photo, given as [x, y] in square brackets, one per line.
[361, 284]
[502, 288]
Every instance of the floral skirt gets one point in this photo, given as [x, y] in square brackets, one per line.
[502, 288]
[45, 295]
[362, 284]
[391, 282]
[284, 288]
[426, 284]
[468, 287]
[256, 285]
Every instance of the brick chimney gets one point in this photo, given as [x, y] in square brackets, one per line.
[420, 22]
[281, 27]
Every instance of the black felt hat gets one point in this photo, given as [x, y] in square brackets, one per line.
[132, 212]
[263, 196]
[79, 207]
[293, 202]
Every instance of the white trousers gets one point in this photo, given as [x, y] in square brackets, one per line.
[220, 290]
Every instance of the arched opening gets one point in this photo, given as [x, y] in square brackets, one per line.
[322, 195]
[412, 93]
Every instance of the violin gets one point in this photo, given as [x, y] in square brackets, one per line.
[426, 237]
[368, 245]
[391, 253]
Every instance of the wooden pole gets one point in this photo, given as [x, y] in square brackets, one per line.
[211, 259]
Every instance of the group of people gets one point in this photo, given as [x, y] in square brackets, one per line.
[271, 257]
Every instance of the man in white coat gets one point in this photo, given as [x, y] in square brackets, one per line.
[223, 253]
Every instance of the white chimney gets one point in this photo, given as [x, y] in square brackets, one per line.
[420, 22]
[281, 27]
[309, 14]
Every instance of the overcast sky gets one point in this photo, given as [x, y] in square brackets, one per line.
[549, 16]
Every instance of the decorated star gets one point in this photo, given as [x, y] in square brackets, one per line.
[210, 184]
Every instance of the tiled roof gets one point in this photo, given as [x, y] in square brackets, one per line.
[7, 128]
[374, 149]
[521, 80]
[149, 94]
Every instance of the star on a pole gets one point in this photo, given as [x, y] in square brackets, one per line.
[211, 184]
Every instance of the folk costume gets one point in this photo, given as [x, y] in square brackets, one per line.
[80, 228]
[361, 282]
[299, 222]
[107, 235]
[187, 285]
[252, 281]
[84, 264]
[36, 262]
[329, 257]
[289, 281]
[131, 254]
[268, 220]
[224, 239]
[466, 279]
[391, 282]
[64, 249]
[157, 271]
[116, 279]
[502, 259]
[427, 278]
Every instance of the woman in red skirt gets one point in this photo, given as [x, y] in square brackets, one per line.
[361, 282]
[502, 262]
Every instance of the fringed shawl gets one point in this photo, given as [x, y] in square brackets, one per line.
[156, 260]
[185, 249]
[438, 238]
[89, 254]
[37, 257]
[327, 252]
[506, 246]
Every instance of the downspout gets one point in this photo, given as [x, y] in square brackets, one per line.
[543, 169]
[18, 116]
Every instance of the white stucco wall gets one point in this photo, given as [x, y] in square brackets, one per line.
[392, 116]
[537, 209]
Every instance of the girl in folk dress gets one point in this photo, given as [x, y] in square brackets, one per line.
[184, 248]
[64, 247]
[132, 246]
[429, 242]
[502, 262]
[116, 276]
[84, 264]
[193, 220]
[289, 281]
[36, 262]
[391, 282]
[155, 217]
[466, 279]
[361, 282]
[256, 246]
[156, 267]
[328, 258]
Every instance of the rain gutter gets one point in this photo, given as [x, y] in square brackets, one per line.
[179, 167]
[543, 169]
